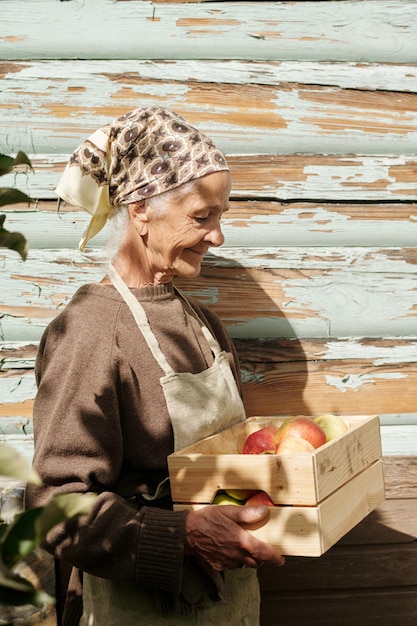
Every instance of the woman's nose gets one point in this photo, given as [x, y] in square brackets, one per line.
[216, 236]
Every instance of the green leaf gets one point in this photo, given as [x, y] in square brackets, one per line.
[20, 538]
[8, 164]
[13, 241]
[9, 195]
[22, 159]
[31, 527]
[13, 464]
[16, 591]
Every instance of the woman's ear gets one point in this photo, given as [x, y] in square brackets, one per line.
[138, 216]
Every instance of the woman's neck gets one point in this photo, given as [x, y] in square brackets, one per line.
[134, 269]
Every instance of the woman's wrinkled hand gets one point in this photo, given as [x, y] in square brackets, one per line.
[217, 535]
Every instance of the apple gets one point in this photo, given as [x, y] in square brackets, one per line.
[292, 445]
[260, 498]
[303, 427]
[222, 498]
[240, 494]
[333, 425]
[261, 441]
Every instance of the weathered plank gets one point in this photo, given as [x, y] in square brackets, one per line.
[312, 178]
[284, 118]
[21, 355]
[248, 224]
[311, 390]
[391, 523]
[290, 388]
[287, 293]
[388, 607]
[88, 76]
[256, 30]
[400, 476]
[344, 567]
[283, 389]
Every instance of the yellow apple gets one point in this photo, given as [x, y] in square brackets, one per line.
[333, 425]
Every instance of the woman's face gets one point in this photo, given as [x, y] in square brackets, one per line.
[177, 239]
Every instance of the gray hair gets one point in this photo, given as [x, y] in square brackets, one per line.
[159, 204]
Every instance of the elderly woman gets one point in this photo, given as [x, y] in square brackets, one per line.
[131, 371]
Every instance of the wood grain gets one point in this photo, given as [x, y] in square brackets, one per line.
[336, 31]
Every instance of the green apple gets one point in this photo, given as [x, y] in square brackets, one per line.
[333, 425]
[222, 497]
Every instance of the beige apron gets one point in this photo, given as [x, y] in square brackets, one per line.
[199, 405]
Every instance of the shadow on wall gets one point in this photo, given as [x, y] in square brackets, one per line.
[273, 362]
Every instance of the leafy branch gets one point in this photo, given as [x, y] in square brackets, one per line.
[28, 529]
[9, 195]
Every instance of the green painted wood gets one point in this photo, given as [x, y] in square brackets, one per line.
[315, 104]
[251, 224]
[94, 74]
[286, 178]
[396, 441]
[287, 293]
[364, 30]
[55, 111]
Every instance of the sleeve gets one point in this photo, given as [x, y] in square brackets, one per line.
[78, 449]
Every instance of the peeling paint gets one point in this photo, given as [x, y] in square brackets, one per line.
[322, 231]
[356, 382]
[250, 377]
[336, 31]
[395, 351]
[207, 296]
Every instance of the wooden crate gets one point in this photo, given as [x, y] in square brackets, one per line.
[318, 496]
[200, 470]
[312, 530]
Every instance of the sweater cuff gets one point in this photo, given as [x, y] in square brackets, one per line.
[160, 553]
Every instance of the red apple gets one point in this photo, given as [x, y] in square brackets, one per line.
[304, 427]
[260, 498]
[292, 445]
[261, 441]
[333, 425]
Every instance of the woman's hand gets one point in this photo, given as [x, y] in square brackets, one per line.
[215, 534]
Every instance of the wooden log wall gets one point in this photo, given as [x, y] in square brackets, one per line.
[315, 105]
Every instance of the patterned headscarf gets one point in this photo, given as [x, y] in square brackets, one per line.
[139, 155]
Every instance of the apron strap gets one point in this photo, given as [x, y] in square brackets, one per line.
[142, 321]
[140, 318]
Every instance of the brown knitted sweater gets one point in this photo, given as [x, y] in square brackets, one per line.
[101, 425]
